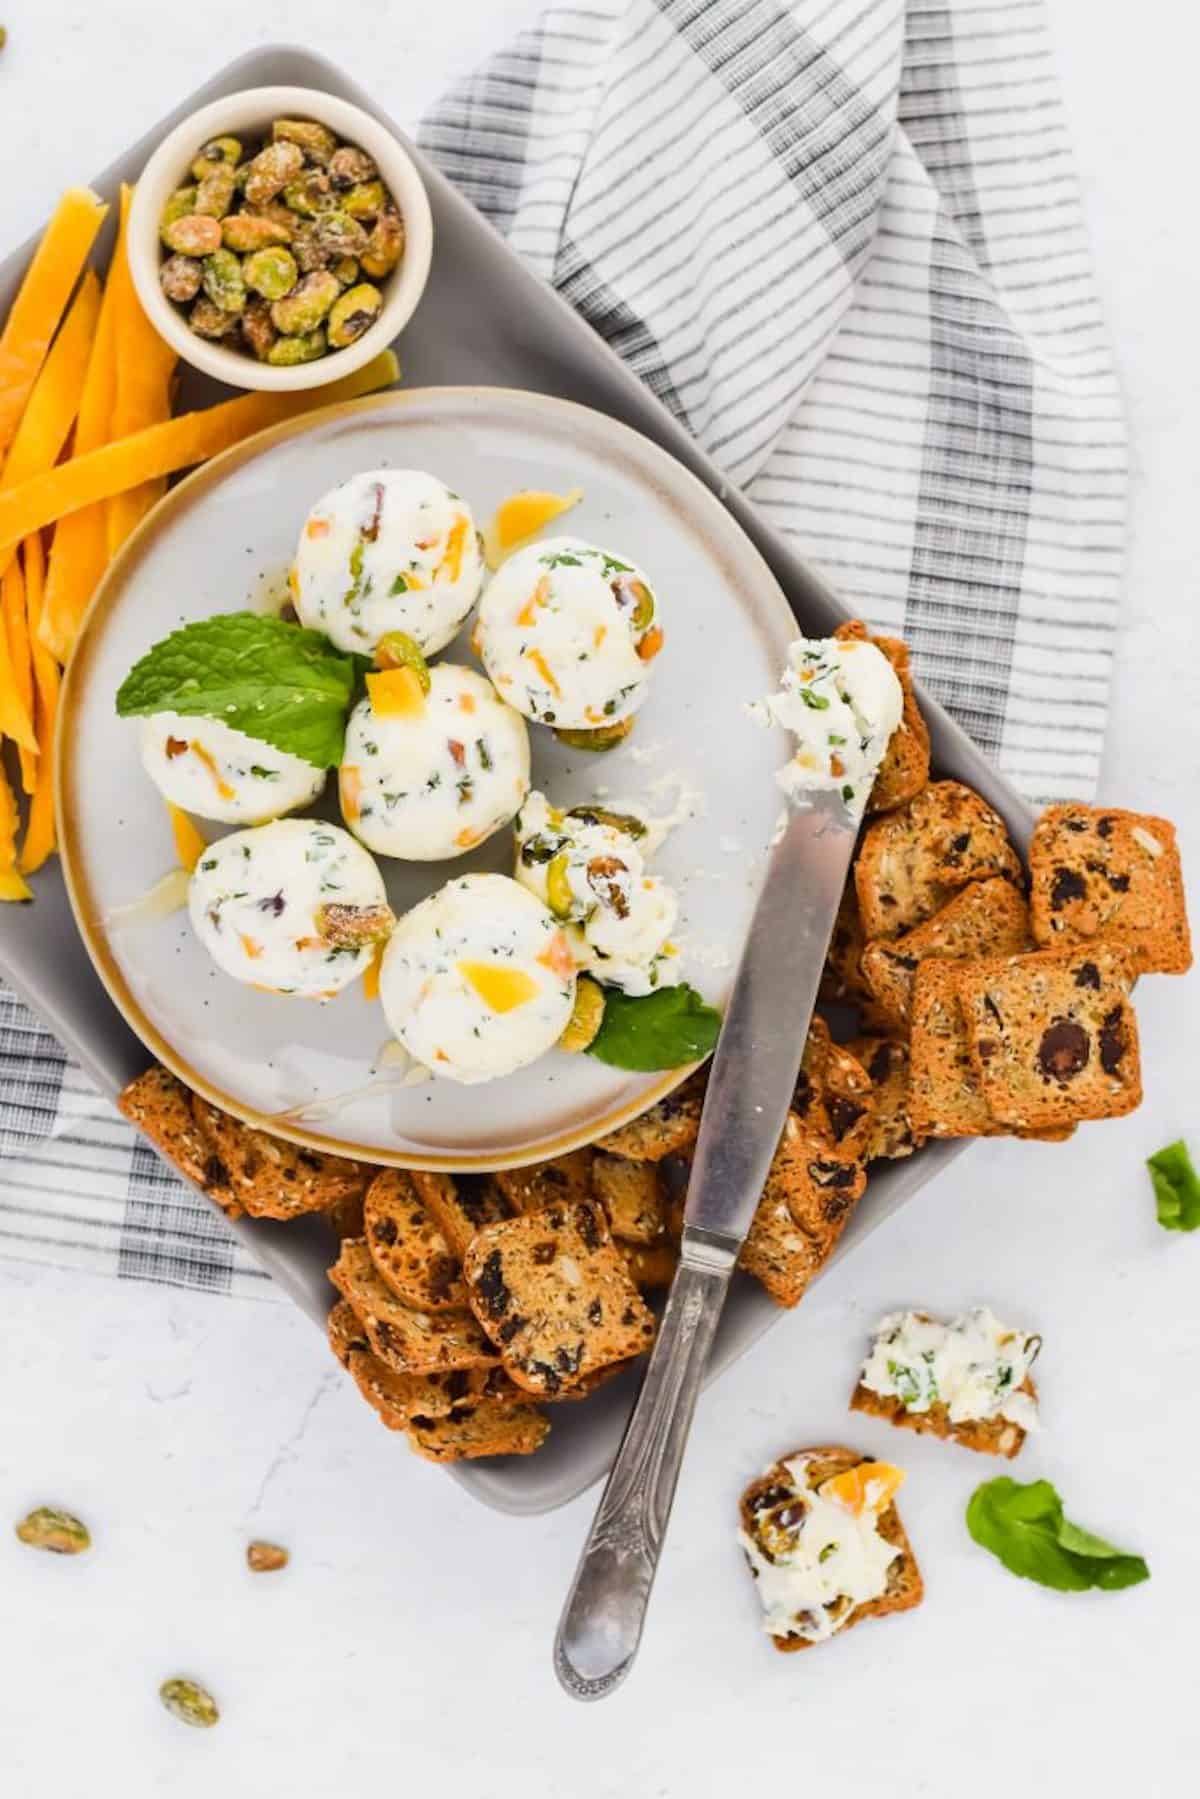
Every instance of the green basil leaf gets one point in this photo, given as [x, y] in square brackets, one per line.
[1176, 1188]
[667, 1029]
[1024, 1527]
[275, 681]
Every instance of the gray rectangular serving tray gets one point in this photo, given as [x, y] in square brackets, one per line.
[484, 320]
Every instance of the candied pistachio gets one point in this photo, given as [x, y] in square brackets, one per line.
[353, 313]
[285, 352]
[179, 278]
[385, 246]
[354, 927]
[628, 823]
[606, 738]
[366, 200]
[346, 271]
[559, 897]
[257, 329]
[350, 166]
[396, 649]
[587, 1016]
[246, 232]
[271, 273]
[302, 310]
[271, 170]
[209, 320]
[316, 141]
[265, 1558]
[307, 249]
[339, 235]
[219, 152]
[223, 281]
[194, 234]
[214, 196]
[59, 1532]
[310, 193]
[191, 1703]
[178, 206]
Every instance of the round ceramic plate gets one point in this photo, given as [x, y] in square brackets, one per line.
[222, 540]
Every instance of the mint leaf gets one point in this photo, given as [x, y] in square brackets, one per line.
[1176, 1188]
[275, 681]
[667, 1029]
[1024, 1527]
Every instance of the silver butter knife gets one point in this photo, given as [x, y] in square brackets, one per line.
[753, 1078]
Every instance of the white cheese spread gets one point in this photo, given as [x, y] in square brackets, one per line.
[974, 1366]
[841, 701]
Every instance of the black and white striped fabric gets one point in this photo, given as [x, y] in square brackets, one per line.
[842, 241]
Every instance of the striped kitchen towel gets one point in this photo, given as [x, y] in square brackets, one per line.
[842, 241]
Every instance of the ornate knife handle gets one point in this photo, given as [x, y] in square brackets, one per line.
[601, 1624]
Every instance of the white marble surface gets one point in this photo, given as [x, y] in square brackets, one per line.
[408, 1644]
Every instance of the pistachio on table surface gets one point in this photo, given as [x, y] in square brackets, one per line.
[188, 1701]
[265, 1558]
[60, 1532]
[276, 247]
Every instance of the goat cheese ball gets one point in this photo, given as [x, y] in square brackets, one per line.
[389, 550]
[207, 768]
[841, 701]
[478, 980]
[569, 633]
[296, 906]
[586, 866]
[428, 776]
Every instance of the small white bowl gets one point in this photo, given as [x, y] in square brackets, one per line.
[248, 116]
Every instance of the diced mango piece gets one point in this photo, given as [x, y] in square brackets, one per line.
[520, 517]
[502, 989]
[396, 693]
[189, 845]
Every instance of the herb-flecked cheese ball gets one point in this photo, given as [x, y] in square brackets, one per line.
[388, 550]
[208, 768]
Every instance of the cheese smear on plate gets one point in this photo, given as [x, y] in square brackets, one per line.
[973, 1366]
[841, 701]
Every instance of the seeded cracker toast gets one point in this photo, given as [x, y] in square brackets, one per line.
[409, 1341]
[989, 1436]
[988, 918]
[650, 1265]
[911, 861]
[776, 1488]
[842, 977]
[161, 1108]
[410, 1253]
[481, 1430]
[345, 1332]
[555, 1296]
[399, 1398]
[833, 1095]
[567, 1178]
[273, 1178]
[904, 770]
[668, 1128]
[810, 1193]
[461, 1204]
[1111, 874]
[1053, 1039]
[629, 1193]
[891, 1134]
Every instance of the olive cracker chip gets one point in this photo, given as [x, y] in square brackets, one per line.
[161, 1108]
[988, 918]
[1053, 1037]
[1100, 872]
[406, 1339]
[911, 861]
[410, 1253]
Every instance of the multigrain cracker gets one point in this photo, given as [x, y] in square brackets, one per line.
[481, 1430]
[566, 1177]
[273, 1178]
[1052, 1036]
[811, 1190]
[555, 1296]
[408, 1340]
[461, 1204]
[668, 1128]
[410, 1253]
[912, 860]
[161, 1108]
[988, 918]
[1100, 872]
[891, 1134]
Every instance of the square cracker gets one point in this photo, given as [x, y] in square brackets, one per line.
[407, 1340]
[891, 1135]
[566, 1177]
[766, 1508]
[810, 1192]
[988, 918]
[668, 1128]
[554, 1294]
[161, 1108]
[461, 1204]
[911, 861]
[1100, 872]
[1052, 1036]
[945, 1097]
[629, 1193]
[410, 1253]
[274, 1178]
[485, 1429]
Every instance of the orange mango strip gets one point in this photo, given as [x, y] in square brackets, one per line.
[12, 887]
[145, 367]
[79, 552]
[42, 299]
[20, 664]
[40, 831]
[179, 443]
